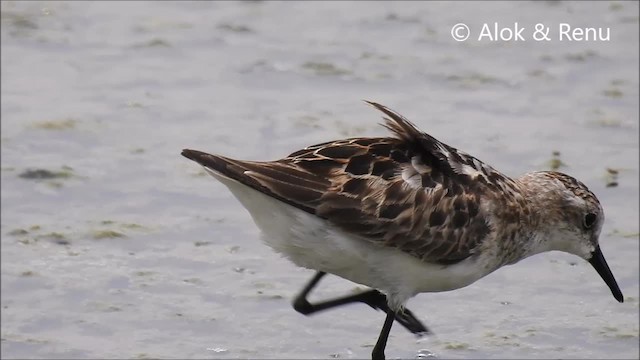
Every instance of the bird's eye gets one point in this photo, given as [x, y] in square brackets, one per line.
[589, 220]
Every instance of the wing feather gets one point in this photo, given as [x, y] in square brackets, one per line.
[410, 191]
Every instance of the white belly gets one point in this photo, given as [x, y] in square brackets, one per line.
[310, 242]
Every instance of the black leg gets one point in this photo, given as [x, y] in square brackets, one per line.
[373, 298]
[406, 318]
[300, 303]
[378, 350]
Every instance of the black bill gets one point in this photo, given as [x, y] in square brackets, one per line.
[600, 264]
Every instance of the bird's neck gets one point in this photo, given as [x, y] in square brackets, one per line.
[537, 198]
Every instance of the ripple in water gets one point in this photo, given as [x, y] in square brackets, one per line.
[425, 354]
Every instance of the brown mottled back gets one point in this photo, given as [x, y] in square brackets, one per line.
[411, 191]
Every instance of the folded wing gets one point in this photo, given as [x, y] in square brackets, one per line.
[410, 191]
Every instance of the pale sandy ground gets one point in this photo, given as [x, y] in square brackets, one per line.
[130, 251]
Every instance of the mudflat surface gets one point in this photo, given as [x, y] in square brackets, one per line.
[114, 245]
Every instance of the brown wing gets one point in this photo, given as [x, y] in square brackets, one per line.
[409, 192]
[277, 179]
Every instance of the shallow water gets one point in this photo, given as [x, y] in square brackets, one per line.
[113, 245]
